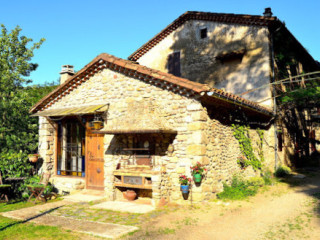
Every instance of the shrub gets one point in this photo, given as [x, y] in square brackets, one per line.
[256, 181]
[239, 189]
[267, 178]
[282, 171]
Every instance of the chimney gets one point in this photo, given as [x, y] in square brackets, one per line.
[267, 12]
[66, 72]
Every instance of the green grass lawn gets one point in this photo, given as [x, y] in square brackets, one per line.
[14, 229]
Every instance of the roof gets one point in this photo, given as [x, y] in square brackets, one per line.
[140, 117]
[90, 109]
[164, 80]
[241, 19]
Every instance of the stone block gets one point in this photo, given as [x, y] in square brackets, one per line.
[48, 159]
[196, 150]
[171, 166]
[195, 126]
[182, 137]
[194, 107]
[155, 178]
[50, 138]
[181, 170]
[188, 119]
[49, 152]
[201, 159]
[198, 137]
[173, 159]
[199, 116]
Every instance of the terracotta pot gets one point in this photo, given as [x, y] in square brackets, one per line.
[131, 195]
[33, 158]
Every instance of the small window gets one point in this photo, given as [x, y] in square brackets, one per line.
[203, 33]
[231, 57]
[174, 64]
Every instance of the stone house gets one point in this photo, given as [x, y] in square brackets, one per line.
[171, 105]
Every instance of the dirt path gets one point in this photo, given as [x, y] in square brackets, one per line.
[282, 212]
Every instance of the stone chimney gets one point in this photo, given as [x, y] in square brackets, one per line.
[267, 12]
[66, 72]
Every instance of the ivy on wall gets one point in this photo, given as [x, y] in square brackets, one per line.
[241, 133]
[260, 144]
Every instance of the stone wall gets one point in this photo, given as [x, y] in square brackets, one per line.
[199, 138]
[46, 144]
[198, 57]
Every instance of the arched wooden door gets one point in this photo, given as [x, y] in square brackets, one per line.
[94, 161]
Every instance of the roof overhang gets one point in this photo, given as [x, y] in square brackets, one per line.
[74, 111]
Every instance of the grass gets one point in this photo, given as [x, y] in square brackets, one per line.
[15, 205]
[294, 227]
[5, 207]
[12, 229]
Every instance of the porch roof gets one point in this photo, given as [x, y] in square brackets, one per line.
[72, 111]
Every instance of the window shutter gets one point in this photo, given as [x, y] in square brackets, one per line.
[174, 64]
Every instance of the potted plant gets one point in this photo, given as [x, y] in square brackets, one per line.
[197, 172]
[97, 124]
[33, 157]
[184, 183]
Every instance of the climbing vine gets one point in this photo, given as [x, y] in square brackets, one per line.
[260, 144]
[241, 133]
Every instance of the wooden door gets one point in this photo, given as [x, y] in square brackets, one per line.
[94, 161]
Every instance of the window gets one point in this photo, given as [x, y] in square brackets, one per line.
[203, 33]
[174, 64]
[234, 57]
[141, 150]
[280, 141]
[71, 148]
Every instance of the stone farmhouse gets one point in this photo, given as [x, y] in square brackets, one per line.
[172, 104]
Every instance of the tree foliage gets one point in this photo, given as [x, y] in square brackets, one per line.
[18, 131]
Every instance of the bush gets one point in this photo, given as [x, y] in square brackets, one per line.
[256, 181]
[282, 171]
[267, 178]
[239, 189]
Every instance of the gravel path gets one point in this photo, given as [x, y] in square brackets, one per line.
[282, 212]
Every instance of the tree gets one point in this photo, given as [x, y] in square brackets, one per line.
[18, 131]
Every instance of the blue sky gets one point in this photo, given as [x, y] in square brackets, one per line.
[78, 31]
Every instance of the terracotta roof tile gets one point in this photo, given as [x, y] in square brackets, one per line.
[122, 65]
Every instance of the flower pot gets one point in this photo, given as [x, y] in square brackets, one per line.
[131, 195]
[197, 177]
[33, 158]
[97, 125]
[184, 188]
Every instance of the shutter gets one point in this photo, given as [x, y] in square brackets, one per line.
[174, 64]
